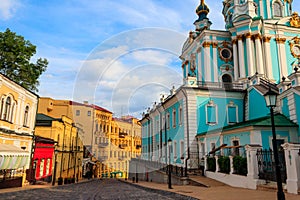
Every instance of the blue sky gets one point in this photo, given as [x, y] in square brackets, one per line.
[117, 54]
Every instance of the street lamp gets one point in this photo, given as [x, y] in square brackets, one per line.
[169, 167]
[271, 98]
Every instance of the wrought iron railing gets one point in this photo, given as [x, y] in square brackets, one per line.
[221, 85]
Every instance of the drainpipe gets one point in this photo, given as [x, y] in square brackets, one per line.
[188, 137]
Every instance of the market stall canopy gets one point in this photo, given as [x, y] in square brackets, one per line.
[12, 157]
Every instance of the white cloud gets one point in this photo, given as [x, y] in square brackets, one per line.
[8, 8]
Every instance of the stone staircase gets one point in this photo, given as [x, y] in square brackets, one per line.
[203, 181]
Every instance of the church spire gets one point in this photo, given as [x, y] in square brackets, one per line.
[202, 22]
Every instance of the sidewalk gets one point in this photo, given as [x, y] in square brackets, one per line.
[217, 191]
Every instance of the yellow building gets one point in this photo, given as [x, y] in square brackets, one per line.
[69, 148]
[62, 129]
[17, 118]
[121, 143]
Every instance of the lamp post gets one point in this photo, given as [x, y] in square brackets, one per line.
[169, 167]
[55, 166]
[271, 98]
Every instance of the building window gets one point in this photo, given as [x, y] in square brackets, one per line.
[236, 144]
[174, 118]
[89, 113]
[232, 113]
[168, 121]
[26, 116]
[181, 149]
[180, 116]
[277, 9]
[48, 166]
[175, 150]
[77, 112]
[7, 109]
[42, 167]
[212, 146]
[211, 113]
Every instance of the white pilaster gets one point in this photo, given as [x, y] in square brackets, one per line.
[250, 59]
[235, 61]
[268, 60]
[282, 55]
[252, 164]
[259, 58]
[199, 65]
[261, 5]
[241, 57]
[268, 9]
[292, 161]
[215, 59]
[207, 67]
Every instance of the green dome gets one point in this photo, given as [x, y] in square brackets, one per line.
[202, 11]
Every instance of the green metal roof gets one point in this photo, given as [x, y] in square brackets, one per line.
[44, 120]
[279, 120]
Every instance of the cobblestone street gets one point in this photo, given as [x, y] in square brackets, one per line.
[95, 189]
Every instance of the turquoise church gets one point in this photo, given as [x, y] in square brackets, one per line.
[220, 105]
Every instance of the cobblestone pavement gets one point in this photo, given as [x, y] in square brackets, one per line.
[95, 189]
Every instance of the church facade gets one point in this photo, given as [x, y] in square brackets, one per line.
[226, 75]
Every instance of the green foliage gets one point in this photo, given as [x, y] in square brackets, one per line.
[240, 165]
[211, 164]
[15, 56]
[224, 164]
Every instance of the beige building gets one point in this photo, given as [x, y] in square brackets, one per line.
[17, 118]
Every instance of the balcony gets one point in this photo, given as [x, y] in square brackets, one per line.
[102, 144]
[122, 146]
[221, 85]
[122, 134]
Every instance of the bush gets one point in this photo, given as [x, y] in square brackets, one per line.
[211, 164]
[240, 165]
[224, 164]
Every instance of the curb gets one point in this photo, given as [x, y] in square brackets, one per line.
[162, 192]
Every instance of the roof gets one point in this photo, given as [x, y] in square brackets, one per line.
[44, 120]
[90, 106]
[279, 120]
[44, 140]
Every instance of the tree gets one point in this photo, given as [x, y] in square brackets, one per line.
[15, 60]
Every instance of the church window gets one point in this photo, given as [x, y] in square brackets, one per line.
[168, 121]
[211, 113]
[277, 11]
[232, 116]
[180, 115]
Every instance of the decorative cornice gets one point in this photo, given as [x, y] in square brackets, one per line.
[257, 36]
[267, 38]
[234, 41]
[239, 37]
[214, 44]
[206, 44]
[280, 40]
[248, 35]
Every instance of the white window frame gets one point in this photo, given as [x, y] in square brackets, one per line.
[211, 104]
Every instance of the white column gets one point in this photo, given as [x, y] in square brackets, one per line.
[241, 57]
[199, 65]
[259, 58]
[215, 60]
[251, 70]
[207, 67]
[231, 164]
[235, 61]
[252, 164]
[217, 165]
[282, 55]
[261, 5]
[268, 9]
[292, 161]
[268, 60]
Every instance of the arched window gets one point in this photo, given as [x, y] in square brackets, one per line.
[277, 11]
[26, 116]
[7, 109]
[227, 81]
